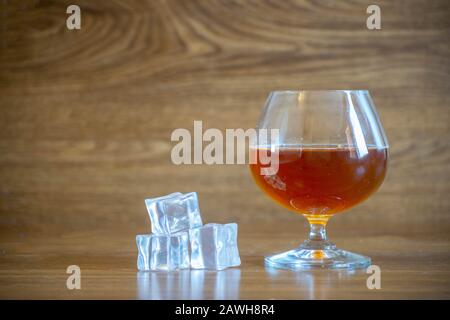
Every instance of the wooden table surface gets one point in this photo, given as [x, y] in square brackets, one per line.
[86, 118]
[34, 267]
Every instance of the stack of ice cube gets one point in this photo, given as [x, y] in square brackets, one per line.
[176, 226]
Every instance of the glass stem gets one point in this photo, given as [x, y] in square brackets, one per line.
[317, 231]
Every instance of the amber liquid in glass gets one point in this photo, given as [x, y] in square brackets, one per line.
[322, 180]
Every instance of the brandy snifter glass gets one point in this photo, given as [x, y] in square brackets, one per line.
[332, 155]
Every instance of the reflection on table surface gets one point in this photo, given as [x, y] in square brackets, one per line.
[318, 283]
[227, 284]
[189, 284]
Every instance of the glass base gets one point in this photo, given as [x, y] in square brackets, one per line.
[318, 255]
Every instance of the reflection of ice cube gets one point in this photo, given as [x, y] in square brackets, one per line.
[189, 284]
[163, 285]
[214, 246]
[174, 213]
[227, 284]
[163, 252]
[206, 284]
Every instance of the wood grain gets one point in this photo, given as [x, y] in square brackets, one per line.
[86, 118]
[35, 268]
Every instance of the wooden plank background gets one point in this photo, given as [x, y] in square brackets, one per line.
[86, 115]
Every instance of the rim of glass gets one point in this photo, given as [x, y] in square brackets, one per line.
[290, 91]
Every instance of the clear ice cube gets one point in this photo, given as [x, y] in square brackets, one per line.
[174, 213]
[214, 246]
[163, 252]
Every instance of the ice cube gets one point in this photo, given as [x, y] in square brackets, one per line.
[174, 213]
[214, 246]
[163, 252]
